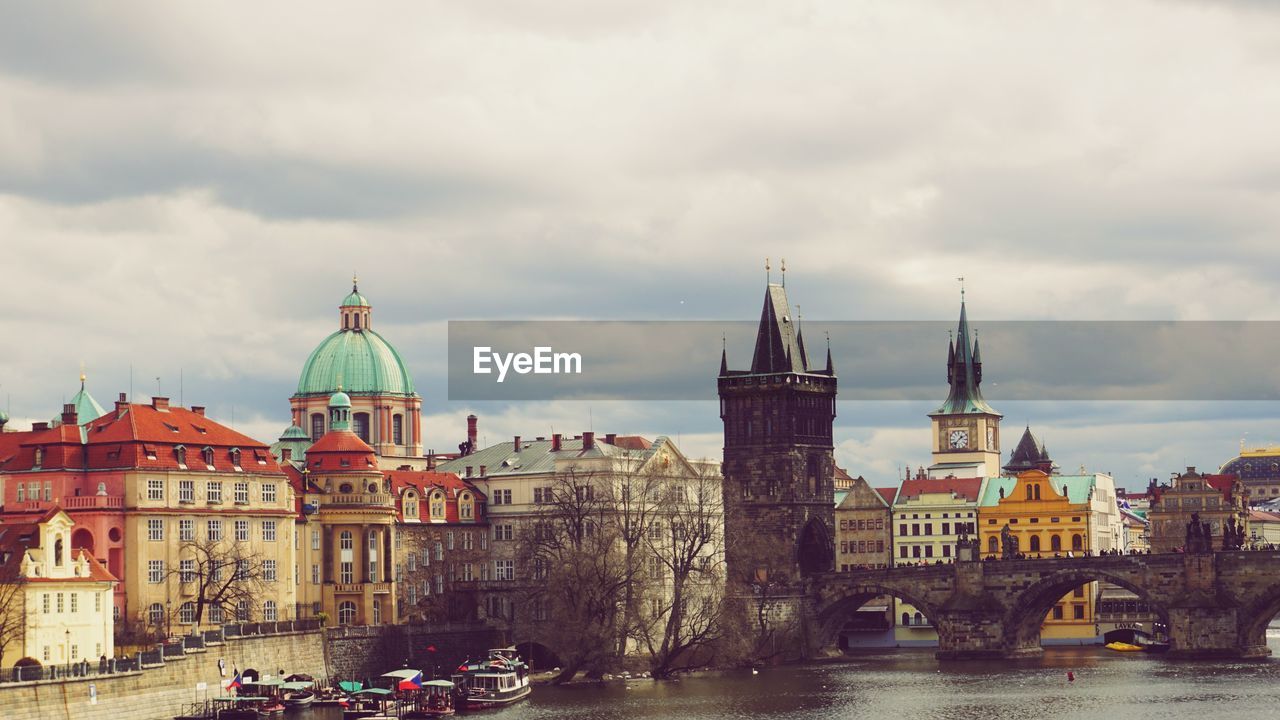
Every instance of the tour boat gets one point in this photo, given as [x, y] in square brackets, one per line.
[298, 694]
[499, 680]
[435, 700]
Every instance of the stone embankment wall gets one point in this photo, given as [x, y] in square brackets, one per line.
[160, 693]
[365, 652]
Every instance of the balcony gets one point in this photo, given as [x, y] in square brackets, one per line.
[358, 499]
[72, 502]
[378, 588]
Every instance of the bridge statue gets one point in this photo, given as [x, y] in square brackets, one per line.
[1008, 543]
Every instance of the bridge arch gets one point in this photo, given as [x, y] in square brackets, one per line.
[832, 617]
[815, 549]
[1026, 611]
[538, 656]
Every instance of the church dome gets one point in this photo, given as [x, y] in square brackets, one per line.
[355, 359]
[1262, 464]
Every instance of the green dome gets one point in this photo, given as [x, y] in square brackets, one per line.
[358, 362]
[339, 400]
[293, 432]
[355, 299]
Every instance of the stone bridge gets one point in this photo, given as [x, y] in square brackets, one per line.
[1216, 605]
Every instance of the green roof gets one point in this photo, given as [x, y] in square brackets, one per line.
[359, 362]
[87, 409]
[1078, 488]
[355, 299]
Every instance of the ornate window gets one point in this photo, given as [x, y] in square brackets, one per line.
[437, 506]
[466, 507]
[346, 612]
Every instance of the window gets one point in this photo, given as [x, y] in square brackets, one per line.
[466, 572]
[213, 528]
[1077, 612]
[155, 530]
[315, 539]
[437, 506]
[206, 454]
[187, 613]
[1035, 543]
[47, 657]
[541, 495]
[242, 493]
[502, 570]
[466, 507]
[97, 603]
[439, 550]
[1057, 609]
[22, 492]
[155, 614]
[449, 539]
[155, 490]
[269, 493]
[502, 497]
[235, 458]
[346, 612]
[269, 611]
[360, 425]
[1055, 542]
[502, 532]
[242, 530]
[440, 582]
[213, 491]
[317, 426]
[215, 614]
[187, 571]
[155, 571]
[268, 530]
[186, 530]
[269, 570]
[186, 491]
[180, 455]
[1077, 542]
[410, 505]
[397, 429]
[75, 602]
[242, 611]
[346, 572]
[467, 542]
[373, 557]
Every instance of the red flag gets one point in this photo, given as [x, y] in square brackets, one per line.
[431, 648]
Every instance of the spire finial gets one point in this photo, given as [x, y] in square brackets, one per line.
[82, 378]
[766, 271]
[355, 282]
[784, 274]
[961, 279]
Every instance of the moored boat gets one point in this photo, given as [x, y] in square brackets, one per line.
[298, 694]
[435, 700]
[1123, 647]
[501, 679]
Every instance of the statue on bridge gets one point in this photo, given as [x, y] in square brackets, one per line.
[1232, 535]
[1008, 543]
[1200, 536]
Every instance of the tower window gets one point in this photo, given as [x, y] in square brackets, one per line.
[317, 426]
[360, 425]
[397, 429]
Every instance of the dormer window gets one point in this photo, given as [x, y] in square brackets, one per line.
[207, 455]
[437, 506]
[172, 428]
[39, 457]
[410, 505]
[235, 459]
[149, 451]
[466, 507]
[180, 454]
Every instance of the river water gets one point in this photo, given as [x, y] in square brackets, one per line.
[911, 684]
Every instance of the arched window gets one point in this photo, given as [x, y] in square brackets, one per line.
[1055, 542]
[437, 506]
[1035, 543]
[918, 619]
[317, 426]
[360, 425]
[346, 612]
[242, 611]
[269, 613]
[207, 455]
[1077, 542]
[1029, 492]
[993, 544]
[187, 613]
[466, 507]
[155, 614]
[1037, 487]
[397, 429]
[906, 618]
[357, 316]
[410, 504]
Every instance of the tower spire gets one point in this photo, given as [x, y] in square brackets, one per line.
[724, 356]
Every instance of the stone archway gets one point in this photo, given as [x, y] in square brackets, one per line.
[539, 657]
[833, 616]
[1026, 612]
[1254, 618]
[815, 550]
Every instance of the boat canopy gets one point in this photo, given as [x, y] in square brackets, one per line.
[297, 685]
[404, 674]
[350, 685]
[438, 683]
[373, 691]
[266, 683]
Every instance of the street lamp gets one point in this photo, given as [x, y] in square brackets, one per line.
[66, 648]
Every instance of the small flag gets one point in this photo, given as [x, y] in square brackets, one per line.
[235, 683]
[413, 683]
[431, 648]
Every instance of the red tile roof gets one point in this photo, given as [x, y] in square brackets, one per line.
[341, 450]
[631, 442]
[968, 488]
[424, 481]
[888, 493]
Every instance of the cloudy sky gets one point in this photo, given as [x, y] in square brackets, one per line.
[187, 189]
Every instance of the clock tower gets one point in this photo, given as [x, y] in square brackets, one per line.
[966, 430]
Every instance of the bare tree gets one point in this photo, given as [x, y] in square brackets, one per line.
[634, 499]
[12, 604]
[759, 582]
[219, 574]
[685, 548]
[579, 570]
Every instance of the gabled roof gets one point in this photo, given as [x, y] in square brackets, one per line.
[888, 493]
[1079, 488]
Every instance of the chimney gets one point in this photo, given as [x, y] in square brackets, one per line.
[69, 414]
[198, 409]
[468, 471]
[160, 403]
[39, 426]
[122, 404]
[516, 443]
[588, 440]
[611, 438]
[482, 470]
[555, 442]
[285, 453]
[471, 431]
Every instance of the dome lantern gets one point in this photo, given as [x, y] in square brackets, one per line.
[339, 411]
[355, 310]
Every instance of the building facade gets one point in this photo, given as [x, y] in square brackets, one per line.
[55, 600]
[1218, 500]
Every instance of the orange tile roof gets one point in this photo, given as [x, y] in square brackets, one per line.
[968, 488]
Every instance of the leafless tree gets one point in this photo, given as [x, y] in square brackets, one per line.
[220, 574]
[685, 547]
[12, 604]
[758, 625]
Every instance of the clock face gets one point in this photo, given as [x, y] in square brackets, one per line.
[959, 438]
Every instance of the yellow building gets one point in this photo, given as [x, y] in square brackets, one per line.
[55, 602]
[1054, 516]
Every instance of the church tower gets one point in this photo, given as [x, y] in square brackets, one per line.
[778, 462]
[966, 430]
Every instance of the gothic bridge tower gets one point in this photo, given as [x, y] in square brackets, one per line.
[778, 462]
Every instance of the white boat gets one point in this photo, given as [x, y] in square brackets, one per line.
[500, 679]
